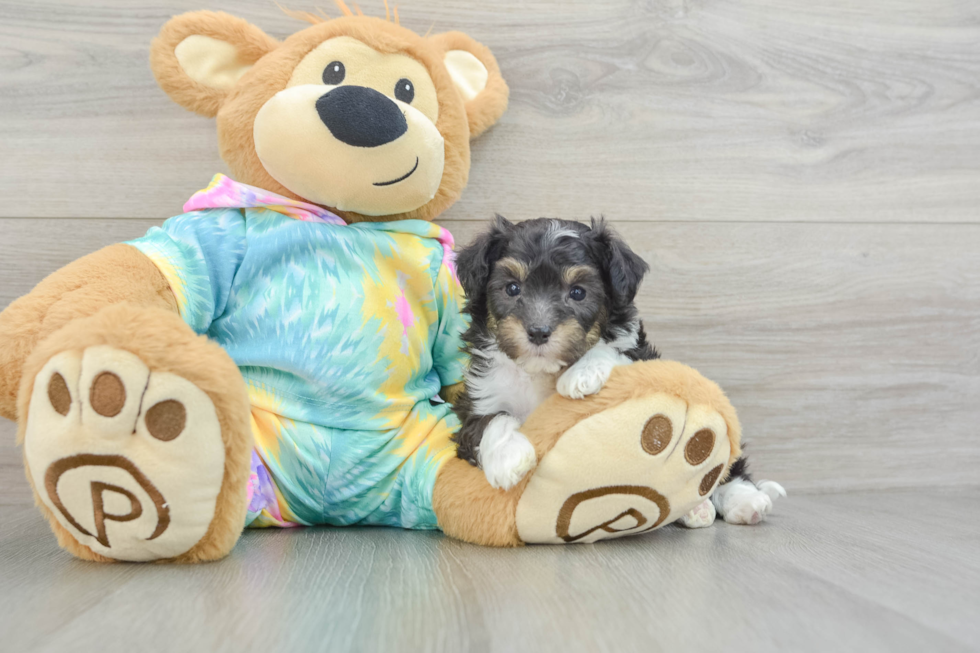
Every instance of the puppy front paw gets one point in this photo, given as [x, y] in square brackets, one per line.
[584, 378]
[506, 456]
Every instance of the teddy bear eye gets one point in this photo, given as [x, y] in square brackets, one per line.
[405, 90]
[334, 73]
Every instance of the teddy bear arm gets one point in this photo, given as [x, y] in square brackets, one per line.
[116, 274]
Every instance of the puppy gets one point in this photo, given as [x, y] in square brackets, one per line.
[551, 310]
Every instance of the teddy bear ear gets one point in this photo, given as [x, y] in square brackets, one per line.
[199, 56]
[477, 78]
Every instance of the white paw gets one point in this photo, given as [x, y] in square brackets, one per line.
[128, 460]
[506, 456]
[750, 509]
[584, 378]
[741, 502]
[701, 516]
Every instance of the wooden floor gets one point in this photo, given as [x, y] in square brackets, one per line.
[803, 177]
[895, 571]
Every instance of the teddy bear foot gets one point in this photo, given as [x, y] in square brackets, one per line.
[136, 438]
[128, 460]
[631, 468]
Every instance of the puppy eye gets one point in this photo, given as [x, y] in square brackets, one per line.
[334, 73]
[577, 293]
[513, 289]
[405, 90]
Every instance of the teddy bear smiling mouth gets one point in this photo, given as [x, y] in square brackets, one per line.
[154, 425]
[402, 178]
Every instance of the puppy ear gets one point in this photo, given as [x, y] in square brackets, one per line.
[199, 56]
[476, 261]
[623, 268]
[476, 77]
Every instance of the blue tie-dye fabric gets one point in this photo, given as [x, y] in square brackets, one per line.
[344, 335]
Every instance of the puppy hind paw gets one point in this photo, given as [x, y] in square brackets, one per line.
[700, 517]
[744, 505]
[750, 511]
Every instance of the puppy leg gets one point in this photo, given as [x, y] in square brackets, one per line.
[504, 454]
[589, 373]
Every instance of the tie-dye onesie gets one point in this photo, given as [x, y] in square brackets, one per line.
[344, 335]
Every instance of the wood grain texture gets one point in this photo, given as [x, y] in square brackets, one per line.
[698, 110]
[850, 351]
[868, 571]
[802, 177]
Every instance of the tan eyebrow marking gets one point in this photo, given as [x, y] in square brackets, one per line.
[577, 273]
[514, 266]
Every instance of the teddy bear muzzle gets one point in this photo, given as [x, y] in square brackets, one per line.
[350, 148]
[360, 116]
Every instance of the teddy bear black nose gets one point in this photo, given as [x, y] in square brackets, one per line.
[361, 116]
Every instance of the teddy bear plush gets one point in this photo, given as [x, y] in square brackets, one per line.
[275, 355]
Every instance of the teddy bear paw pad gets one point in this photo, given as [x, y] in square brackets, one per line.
[130, 461]
[638, 465]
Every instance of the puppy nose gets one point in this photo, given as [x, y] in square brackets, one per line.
[539, 334]
[361, 116]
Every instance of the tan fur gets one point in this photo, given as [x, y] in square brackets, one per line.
[82, 288]
[558, 414]
[450, 393]
[567, 343]
[511, 336]
[592, 337]
[251, 42]
[457, 123]
[483, 111]
[469, 509]
[235, 119]
[515, 267]
[162, 340]
[569, 340]
[118, 297]
[577, 274]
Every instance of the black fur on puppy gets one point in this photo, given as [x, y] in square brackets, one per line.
[551, 308]
[540, 295]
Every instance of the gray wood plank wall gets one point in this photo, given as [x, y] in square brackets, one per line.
[803, 177]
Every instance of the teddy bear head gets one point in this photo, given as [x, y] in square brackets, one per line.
[356, 114]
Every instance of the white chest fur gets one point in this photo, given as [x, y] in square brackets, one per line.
[508, 388]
